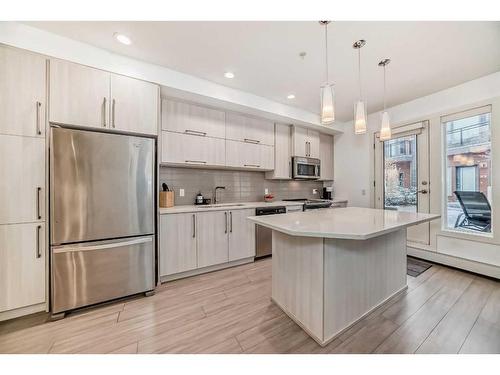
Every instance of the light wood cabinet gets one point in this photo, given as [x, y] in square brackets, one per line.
[192, 119]
[249, 155]
[248, 129]
[134, 105]
[326, 157]
[22, 186]
[212, 238]
[305, 142]
[241, 234]
[192, 150]
[79, 95]
[22, 93]
[177, 243]
[22, 265]
[282, 153]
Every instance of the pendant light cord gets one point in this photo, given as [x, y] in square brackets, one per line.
[359, 72]
[384, 88]
[326, 51]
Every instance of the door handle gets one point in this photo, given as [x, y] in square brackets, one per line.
[38, 252]
[113, 114]
[104, 101]
[38, 127]
[225, 220]
[194, 226]
[38, 210]
[423, 191]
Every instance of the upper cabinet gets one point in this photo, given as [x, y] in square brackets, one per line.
[248, 129]
[22, 93]
[305, 142]
[326, 157]
[191, 119]
[249, 156]
[89, 97]
[79, 95]
[134, 105]
[282, 153]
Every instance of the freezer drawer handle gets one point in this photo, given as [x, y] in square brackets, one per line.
[38, 252]
[70, 248]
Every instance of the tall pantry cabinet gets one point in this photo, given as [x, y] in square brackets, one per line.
[23, 103]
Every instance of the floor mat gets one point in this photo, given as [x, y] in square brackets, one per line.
[415, 266]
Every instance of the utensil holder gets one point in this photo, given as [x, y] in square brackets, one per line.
[166, 199]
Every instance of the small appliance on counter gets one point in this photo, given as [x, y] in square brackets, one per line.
[166, 197]
[200, 200]
[327, 193]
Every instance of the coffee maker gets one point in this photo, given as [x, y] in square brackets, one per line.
[327, 193]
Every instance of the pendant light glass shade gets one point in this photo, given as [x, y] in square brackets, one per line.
[385, 128]
[327, 104]
[360, 117]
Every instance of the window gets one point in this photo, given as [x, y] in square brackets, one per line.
[468, 170]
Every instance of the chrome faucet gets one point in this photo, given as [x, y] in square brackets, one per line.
[215, 193]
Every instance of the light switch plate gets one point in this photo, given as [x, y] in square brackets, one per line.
[181, 192]
[315, 191]
[266, 191]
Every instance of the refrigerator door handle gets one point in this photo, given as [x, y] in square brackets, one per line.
[108, 245]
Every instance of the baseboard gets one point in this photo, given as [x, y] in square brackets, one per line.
[22, 311]
[200, 271]
[448, 260]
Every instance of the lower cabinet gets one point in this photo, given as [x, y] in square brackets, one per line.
[177, 243]
[196, 240]
[22, 265]
[212, 238]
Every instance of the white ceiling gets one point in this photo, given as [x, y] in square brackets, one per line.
[264, 56]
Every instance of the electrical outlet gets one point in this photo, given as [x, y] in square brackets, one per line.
[181, 192]
[315, 191]
[266, 191]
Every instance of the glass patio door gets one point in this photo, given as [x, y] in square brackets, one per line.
[402, 174]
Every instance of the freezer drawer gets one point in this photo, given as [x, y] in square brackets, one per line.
[94, 272]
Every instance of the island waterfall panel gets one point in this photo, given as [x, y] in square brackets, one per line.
[326, 284]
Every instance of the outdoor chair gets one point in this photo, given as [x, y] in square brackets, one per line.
[476, 211]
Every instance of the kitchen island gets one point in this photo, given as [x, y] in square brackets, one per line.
[332, 267]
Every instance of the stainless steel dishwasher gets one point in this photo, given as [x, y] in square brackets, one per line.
[263, 235]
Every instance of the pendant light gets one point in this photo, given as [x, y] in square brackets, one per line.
[360, 105]
[327, 92]
[385, 128]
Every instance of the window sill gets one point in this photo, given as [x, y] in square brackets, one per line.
[468, 235]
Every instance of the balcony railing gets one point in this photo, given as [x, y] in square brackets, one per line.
[469, 135]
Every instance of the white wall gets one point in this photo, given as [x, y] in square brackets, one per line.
[354, 153]
[354, 171]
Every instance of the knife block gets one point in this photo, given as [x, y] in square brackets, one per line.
[166, 199]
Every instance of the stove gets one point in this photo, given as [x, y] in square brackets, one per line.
[311, 204]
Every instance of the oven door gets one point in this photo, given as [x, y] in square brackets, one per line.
[305, 168]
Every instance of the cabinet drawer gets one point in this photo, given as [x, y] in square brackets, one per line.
[22, 265]
[248, 155]
[192, 150]
[192, 119]
[248, 129]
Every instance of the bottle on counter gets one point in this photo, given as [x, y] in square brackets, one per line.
[199, 198]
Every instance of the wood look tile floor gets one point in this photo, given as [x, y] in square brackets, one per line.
[230, 311]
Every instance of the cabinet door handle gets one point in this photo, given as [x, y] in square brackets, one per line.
[113, 114]
[196, 161]
[195, 132]
[290, 169]
[225, 219]
[230, 222]
[38, 252]
[254, 141]
[252, 165]
[104, 101]
[194, 226]
[38, 125]
[38, 210]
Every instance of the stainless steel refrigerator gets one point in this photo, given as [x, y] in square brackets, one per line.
[102, 219]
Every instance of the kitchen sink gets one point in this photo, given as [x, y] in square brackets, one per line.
[222, 205]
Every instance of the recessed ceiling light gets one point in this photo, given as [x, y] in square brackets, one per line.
[229, 75]
[291, 96]
[122, 38]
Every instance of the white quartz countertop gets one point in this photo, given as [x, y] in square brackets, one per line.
[353, 223]
[231, 206]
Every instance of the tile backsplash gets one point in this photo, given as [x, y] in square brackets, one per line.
[241, 186]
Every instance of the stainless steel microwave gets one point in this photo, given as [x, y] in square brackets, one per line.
[305, 168]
